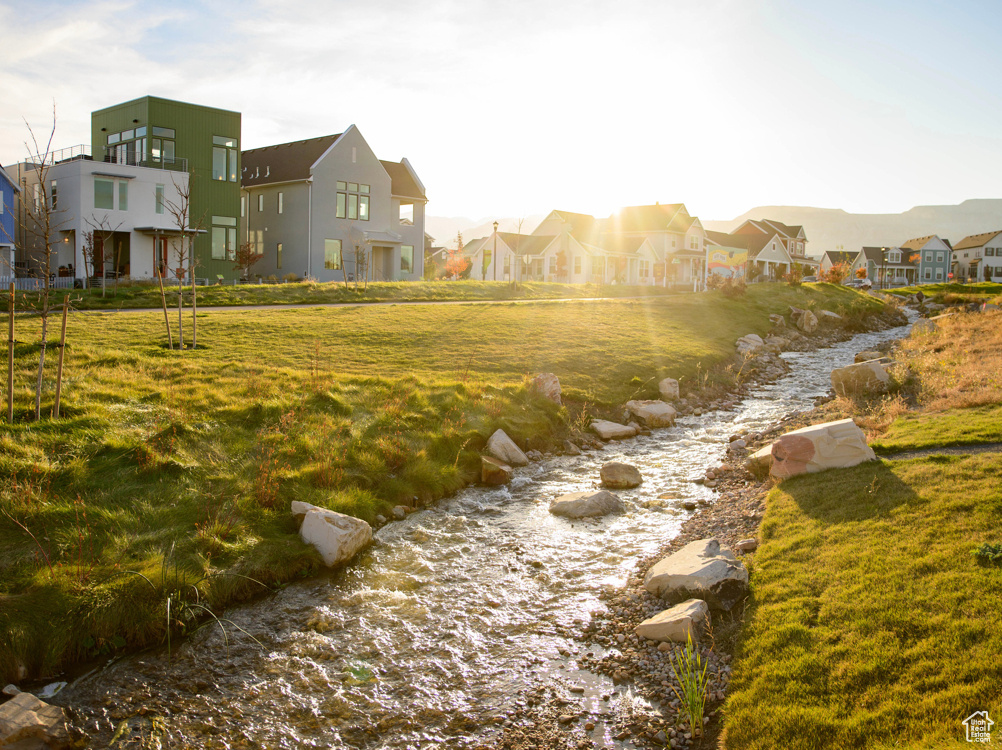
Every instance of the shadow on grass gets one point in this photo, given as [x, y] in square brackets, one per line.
[869, 490]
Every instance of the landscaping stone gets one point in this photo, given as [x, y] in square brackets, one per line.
[746, 545]
[777, 320]
[760, 460]
[927, 325]
[807, 321]
[337, 537]
[494, 472]
[652, 413]
[10, 690]
[400, 512]
[676, 624]
[668, 388]
[612, 430]
[620, 476]
[827, 316]
[749, 344]
[28, 723]
[586, 504]
[571, 449]
[504, 449]
[989, 306]
[867, 356]
[702, 570]
[863, 377]
[547, 385]
[818, 447]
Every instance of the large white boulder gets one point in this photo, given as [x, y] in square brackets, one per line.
[586, 504]
[547, 385]
[619, 476]
[652, 413]
[830, 445]
[26, 722]
[612, 430]
[504, 449]
[749, 344]
[862, 377]
[676, 624]
[337, 537]
[702, 570]
[668, 388]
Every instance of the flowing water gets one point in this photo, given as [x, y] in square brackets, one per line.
[432, 633]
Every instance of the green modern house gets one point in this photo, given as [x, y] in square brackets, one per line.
[182, 137]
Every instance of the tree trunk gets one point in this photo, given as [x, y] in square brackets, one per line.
[180, 314]
[62, 351]
[41, 360]
[10, 357]
[163, 299]
[194, 308]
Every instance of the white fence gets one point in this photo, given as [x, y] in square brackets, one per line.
[31, 284]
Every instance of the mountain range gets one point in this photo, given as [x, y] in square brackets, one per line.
[826, 228]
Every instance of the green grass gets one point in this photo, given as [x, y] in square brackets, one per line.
[917, 430]
[954, 293]
[136, 295]
[871, 623]
[181, 465]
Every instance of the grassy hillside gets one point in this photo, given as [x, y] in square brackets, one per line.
[181, 465]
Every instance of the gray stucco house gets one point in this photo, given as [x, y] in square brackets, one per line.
[327, 207]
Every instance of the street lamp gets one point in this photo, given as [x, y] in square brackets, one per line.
[494, 256]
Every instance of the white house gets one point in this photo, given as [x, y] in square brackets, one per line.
[978, 257]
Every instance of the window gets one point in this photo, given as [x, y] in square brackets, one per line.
[168, 152]
[928, 257]
[114, 138]
[352, 201]
[928, 273]
[332, 254]
[694, 243]
[577, 264]
[218, 163]
[104, 193]
[406, 214]
[939, 257]
[224, 158]
[123, 195]
[507, 265]
[645, 269]
[407, 259]
[278, 256]
[894, 257]
[163, 132]
[598, 266]
[140, 132]
[243, 206]
[280, 201]
[224, 238]
[553, 265]
[160, 199]
[939, 274]
[260, 202]
[53, 201]
[989, 252]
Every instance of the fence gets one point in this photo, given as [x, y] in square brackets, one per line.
[32, 284]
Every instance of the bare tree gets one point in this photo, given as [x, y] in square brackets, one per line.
[39, 217]
[183, 247]
[95, 246]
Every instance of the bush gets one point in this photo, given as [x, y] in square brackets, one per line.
[795, 277]
[733, 288]
[290, 278]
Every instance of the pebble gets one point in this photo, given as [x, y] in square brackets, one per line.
[10, 690]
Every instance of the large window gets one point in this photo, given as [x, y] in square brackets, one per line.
[224, 158]
[352, 201]
[53, 199]
[104, 193]
[332, 255]
[123, 195]
[224, 238]
[407, 259]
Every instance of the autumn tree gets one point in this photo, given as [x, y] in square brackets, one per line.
[861, 273]
[245, 258]
[457, 264]
[836, 274]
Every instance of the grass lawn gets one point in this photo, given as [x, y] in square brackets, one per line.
[146, 295]
[954, 293]
[914, 431]
[871, 624]
[181, 465]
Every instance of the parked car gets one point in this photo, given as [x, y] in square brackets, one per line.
[809, 279]
[858, 283]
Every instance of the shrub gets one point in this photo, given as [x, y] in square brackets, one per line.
[290, 278]
[989, 554]
[795, 277]
[733, 288]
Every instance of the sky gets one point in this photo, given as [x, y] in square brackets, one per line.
[515, 108]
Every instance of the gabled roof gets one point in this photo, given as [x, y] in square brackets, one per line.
[976, 240]
[784, 229]
[753, 243]
[726, 240]
[526, 244]
[661, 217]
[919, 242]
[285, 162]
[471, 247]
[402, 180]
[840, 256]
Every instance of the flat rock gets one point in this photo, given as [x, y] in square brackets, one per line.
[588, 504]
[504, 449]
[677, 623]
[827, 316]
[619, 476]
[571, 449]
[547, 385]
[777, 320]
[746, 545]
[818, 447]
[26, 722]
[494, 472]
[668, 388]
[652, 413]
[749, 344]
[702, 570]
[760, 460]
[862, 377]
[612, 430]
[867, 356]
[336, 537]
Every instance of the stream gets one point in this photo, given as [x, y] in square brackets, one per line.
[433, 631]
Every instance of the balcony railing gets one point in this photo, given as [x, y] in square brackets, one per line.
[112, 156]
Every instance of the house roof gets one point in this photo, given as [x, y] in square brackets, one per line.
[976, 240]
[919, 242]
[661, 217]
[753, 243]
[619, 244]
[840, 256]
[784, 229]
[402, 182]
[580, 223]
[726, 240]
[526, 244]
[285, 162]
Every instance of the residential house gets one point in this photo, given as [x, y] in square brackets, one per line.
[887, 266]
[107, 219]
[793, 238]
[834, 257]
[328, 208]
[766, 256]
[676, 237]
[8, 222]
[179, 137]
[978, 257]
[934, 258]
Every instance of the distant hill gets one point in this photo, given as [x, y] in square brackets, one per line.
[444, 228]
[830, 228]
